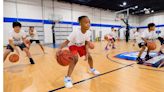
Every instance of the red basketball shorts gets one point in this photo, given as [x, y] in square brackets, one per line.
[78, 49]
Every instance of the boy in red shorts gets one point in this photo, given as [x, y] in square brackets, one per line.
[78, 44]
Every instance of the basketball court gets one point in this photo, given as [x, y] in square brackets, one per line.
[54, 20]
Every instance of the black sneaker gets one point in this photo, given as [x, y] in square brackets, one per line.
[31, 61]
[113, 47]
[160, 53]
[140, 61]
[147, 57]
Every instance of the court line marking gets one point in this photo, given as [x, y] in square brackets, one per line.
[94, 77]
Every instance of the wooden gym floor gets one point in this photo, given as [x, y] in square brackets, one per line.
[47, 75]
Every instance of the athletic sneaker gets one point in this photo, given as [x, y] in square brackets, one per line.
[68, 82]
[106, 48]
[160, 53]
[147, 57]
[140, 61]
[113, 47]
[32, 61]
[94, 71]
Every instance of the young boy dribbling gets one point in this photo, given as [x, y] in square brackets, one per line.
[113, 33]
[111, 38]
[17, 39]
[78, 44]
[33, 37]
[150, 35]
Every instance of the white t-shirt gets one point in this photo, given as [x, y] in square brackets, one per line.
[17, 37]
[34, 36]
[162, 34]
[78, 38]
[147, 35]
[113, 34]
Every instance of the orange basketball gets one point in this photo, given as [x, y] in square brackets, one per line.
[91, 45]
[65, 57]
[107, 37]
[13, 58]
[151, 45]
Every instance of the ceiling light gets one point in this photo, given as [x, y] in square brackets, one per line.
[124, 3]
[121, 5]
[144, 9]
[136, 7]
[152, 11]
[147, 12]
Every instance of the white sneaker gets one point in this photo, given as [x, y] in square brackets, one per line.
[68, 82]
[94, 71]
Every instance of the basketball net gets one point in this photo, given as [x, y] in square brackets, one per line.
[55, 19]
[119, 17]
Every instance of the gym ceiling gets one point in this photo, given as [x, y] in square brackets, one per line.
[143, 6]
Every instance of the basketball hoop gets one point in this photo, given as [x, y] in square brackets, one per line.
[119, 16]
[54, 18]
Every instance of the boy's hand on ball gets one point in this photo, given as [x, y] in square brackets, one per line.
[58, 52]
